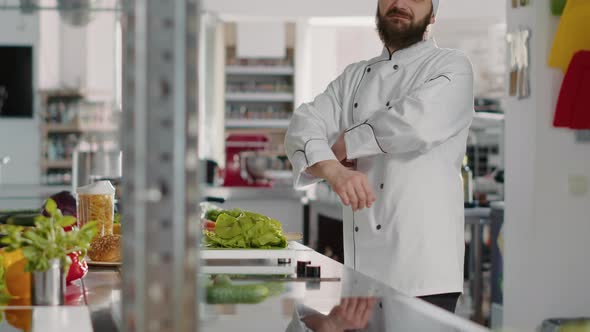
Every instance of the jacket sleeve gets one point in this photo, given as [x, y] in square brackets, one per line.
[311, 130]
[426, 117]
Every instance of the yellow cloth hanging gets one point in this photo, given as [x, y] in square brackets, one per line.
[573, 34]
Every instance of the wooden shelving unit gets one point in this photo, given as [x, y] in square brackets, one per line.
[76, 128]
[257, 123]
[56, 164]
[259, 95]
[67, 118]
[260, 70]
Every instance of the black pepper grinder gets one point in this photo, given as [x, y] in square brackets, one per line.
[301, 268]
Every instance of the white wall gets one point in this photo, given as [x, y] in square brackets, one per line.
[546, 270]
[100, 54]
[73, 56]
[50, 61]
[449, 9]
[485, 44]
[335, 47]
[19, 138]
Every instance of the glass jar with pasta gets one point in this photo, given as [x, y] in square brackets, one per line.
[96, 202]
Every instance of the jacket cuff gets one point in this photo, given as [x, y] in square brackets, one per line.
[315, 152]
[361, 142]
[318, 150]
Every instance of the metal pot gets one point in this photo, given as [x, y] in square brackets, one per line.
[48, 288]
[90, 166]
[256, 166]
[253, 166]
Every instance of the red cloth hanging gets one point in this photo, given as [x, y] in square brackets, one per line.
[573, 106]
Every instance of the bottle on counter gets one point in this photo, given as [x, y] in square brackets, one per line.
[467, 176]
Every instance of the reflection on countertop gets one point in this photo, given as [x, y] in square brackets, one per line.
[393, 311]
[285, 310]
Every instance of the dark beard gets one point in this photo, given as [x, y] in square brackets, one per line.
[397, 39]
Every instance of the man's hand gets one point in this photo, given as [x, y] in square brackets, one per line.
[350, 314]
[351, 186]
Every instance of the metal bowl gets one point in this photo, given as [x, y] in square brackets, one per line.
[254, 166]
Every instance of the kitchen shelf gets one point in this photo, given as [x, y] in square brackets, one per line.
[277, 97]
[259, 95]
[257, 123]
[74, 128]
[260, 70]
[90, 119]
[485, 120]
[57, 164]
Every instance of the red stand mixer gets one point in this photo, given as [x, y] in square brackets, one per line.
[245, 163]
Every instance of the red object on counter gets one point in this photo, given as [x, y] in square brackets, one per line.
[208, 225]
[235, 145]
[573, 107]
[78, 268]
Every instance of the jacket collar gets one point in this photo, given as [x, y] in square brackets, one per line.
[408, 54]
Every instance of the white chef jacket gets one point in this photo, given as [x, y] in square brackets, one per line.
[406, 117]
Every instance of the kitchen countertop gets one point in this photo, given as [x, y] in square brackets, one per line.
[28, 191]
[393, 312]
[240, 193]
[84, 301]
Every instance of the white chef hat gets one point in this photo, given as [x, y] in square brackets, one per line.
[434, 7]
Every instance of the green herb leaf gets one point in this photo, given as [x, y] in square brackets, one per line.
[47, 240]
[67, 221]
[50, 206]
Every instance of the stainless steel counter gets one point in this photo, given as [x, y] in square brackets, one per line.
[394, 311]
[103, 297]
[26, 196]
[98, 299]
[241, 193]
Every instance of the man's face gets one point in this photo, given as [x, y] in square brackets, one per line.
[401, 23]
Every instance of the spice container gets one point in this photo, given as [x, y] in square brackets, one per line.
[96, 203]
[301, 268]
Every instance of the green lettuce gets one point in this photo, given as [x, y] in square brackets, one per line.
[243, 229]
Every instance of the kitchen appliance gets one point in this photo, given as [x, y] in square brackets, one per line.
[249, 163]
[93, 165]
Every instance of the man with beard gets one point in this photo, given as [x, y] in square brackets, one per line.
[389, 136]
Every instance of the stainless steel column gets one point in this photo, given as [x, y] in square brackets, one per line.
[159, 142]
